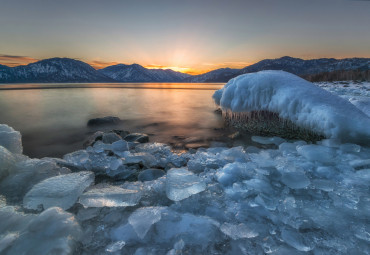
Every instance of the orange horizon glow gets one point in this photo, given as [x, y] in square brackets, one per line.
[187, 70]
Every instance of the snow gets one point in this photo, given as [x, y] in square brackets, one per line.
[7, 162]
[297, 100]
[61, 191]
[10, 139]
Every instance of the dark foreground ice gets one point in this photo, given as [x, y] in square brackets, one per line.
[295, 198]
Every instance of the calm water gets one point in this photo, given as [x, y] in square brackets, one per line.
[52, 117]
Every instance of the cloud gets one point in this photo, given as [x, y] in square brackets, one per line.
[12, 60]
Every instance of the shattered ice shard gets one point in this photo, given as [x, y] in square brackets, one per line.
[143, 218]
[238, 231]
[290, 98]
[110, 196]
[61, 191]
[181, 184]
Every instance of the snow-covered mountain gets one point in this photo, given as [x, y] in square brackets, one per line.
[70, 70]
[313, 66]
[138, 73]
[292, 65]
[217, 75]
[52, 70]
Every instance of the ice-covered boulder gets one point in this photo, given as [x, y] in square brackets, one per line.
[61, 191]
[11, 139]
[182, 183]
[292, 99]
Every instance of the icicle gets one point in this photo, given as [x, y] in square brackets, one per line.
[269, 124]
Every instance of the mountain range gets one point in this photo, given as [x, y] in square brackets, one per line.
[70, 70]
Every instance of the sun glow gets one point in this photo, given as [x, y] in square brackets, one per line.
[174, 68]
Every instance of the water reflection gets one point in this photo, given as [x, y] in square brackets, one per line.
[53, 121]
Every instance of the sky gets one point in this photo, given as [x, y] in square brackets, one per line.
[192, 36]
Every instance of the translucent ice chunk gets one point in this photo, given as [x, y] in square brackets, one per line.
[259, 185]
[99, 147]
[62, 191]
[317, 153]
[77, 158]
[10, 139]
[143, 218]
[233, 172]
[110, 196]
[238, 231]
[115, 163]
[110, 138]
[182, 183]
[295, 180]
[120, 147]
[26, 174]
[191, 228]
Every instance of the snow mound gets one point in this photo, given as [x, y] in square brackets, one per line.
[295, 100]
[62, 191]
[11, 139]
[7, 162]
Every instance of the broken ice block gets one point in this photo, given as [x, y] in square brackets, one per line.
[238, 231]
[62, 191]
[182, 183]
[143, 218]
[110, 196]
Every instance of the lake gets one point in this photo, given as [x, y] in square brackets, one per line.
[52, 117]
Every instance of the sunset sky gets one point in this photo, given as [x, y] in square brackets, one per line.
[191, 36]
